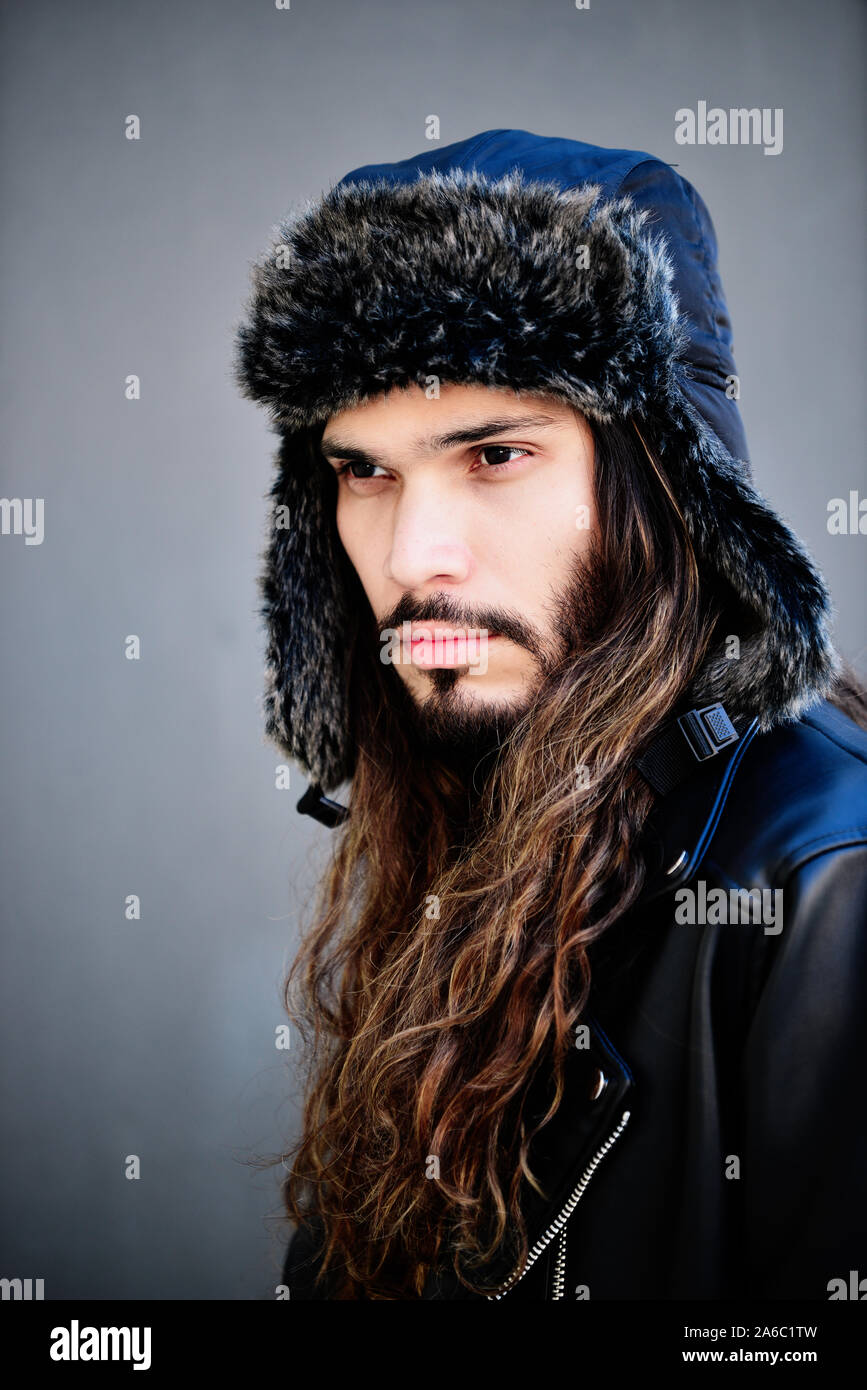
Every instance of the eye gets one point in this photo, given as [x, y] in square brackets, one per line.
[500, 465]
[344, 470]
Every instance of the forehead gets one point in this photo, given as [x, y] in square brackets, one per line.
[410, 413]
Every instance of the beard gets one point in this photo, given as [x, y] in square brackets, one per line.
[462, 732]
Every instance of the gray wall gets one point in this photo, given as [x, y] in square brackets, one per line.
[156, 1037]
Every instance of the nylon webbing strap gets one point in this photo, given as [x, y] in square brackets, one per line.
[690, 739]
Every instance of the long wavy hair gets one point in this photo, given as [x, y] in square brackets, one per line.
[448, 960]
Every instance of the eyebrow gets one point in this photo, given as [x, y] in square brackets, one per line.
[468, 434]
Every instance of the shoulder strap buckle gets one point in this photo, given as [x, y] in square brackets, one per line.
[321, 807]
[707, 730]
[689, 739]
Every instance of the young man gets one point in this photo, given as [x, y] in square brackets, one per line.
[583, 993]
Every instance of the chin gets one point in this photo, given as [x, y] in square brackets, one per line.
[470, 690]
[495, 692]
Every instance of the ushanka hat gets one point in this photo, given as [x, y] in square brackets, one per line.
[548, 265]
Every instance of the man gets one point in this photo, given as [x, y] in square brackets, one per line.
[583, 992]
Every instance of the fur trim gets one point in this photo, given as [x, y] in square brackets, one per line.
[480, 281]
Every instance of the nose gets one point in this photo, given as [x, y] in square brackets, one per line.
[428, 538]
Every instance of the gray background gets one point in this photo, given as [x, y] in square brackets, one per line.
[156, 1037]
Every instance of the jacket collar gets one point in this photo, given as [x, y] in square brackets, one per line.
[685, 816]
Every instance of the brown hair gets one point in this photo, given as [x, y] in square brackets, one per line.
[448, 960]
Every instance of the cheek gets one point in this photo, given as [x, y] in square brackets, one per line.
[349, 531]
[359, 545]
[575, 518]
[540, 551]
[546, 532]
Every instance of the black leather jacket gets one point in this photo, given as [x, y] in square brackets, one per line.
[712, 1140]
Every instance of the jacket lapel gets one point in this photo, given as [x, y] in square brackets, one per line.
[597, 1082]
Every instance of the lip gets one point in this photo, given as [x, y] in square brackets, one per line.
[437, 645]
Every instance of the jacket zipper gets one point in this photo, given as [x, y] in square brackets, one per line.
[559, 1222]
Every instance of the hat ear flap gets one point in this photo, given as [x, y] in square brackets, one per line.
[304, 608]
[786, 658]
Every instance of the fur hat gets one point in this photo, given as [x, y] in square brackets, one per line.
[505, 280]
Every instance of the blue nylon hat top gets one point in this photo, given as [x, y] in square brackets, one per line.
[677, 210]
